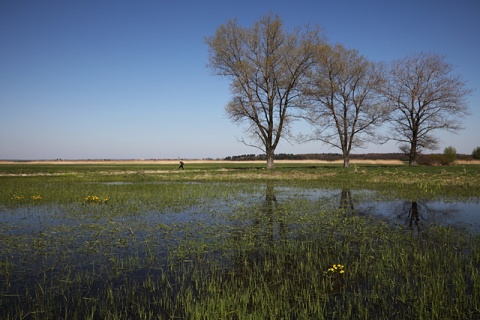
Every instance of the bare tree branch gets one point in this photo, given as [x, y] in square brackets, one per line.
[425, 97]
[264, 64]
[344, 105]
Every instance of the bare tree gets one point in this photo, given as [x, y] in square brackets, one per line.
[424, 97]
[264, 64]
[343, 101]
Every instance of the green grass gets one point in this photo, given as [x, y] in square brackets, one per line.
[211, 242]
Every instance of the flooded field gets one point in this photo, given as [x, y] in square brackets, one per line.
[147, 248]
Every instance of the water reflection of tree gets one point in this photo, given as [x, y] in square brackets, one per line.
[417, 214]
[269, 218]
[346, 202]
[413, 215]
[266, 229]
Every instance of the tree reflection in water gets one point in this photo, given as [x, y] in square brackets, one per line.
[266, 223]
[266, 229]
[418, 214]
[271, 217]
[346, 202]
[413, 216]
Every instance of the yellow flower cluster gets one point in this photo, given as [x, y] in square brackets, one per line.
[95, 199]
[337, 268]
[22, 197]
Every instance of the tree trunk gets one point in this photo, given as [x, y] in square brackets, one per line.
[346, 161]
[270, 156]
[412, 156]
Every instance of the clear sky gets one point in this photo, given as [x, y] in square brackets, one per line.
[124, 79]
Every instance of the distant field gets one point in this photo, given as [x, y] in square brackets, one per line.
[458, 180]
[187, 162]
[170, 161]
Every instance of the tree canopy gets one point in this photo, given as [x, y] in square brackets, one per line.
[264, 64]
[277, 76]
[344, 103]
[424, 97]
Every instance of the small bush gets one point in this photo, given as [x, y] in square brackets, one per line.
[449, 156]
[476, 153]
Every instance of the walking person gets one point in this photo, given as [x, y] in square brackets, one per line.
[181, 165]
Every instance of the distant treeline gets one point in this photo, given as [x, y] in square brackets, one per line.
[327, 156]
[319, 156]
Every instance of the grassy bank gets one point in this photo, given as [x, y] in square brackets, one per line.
[148, 241]
[411, 182]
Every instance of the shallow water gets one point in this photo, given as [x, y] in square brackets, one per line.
[419, 214]
[456, 213]
[447, 212]
[84, 248]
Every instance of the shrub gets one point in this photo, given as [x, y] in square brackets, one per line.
[447, 158]
[449, 155]
[476, 153]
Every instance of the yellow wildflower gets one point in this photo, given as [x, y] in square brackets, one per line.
[337, 268]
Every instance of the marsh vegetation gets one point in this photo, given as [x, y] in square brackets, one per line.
[235, 241]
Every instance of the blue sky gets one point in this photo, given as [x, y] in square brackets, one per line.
[123, 79]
